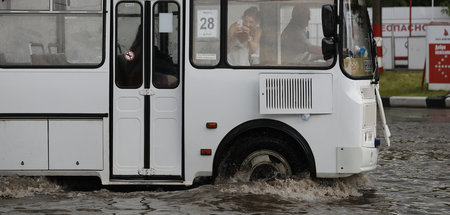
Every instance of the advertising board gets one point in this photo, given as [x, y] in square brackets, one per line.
[438, 56]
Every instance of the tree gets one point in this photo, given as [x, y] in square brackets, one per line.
[446, 3]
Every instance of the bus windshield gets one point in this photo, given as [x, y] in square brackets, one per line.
[357, 40]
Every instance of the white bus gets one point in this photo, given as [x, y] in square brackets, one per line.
[166, 91]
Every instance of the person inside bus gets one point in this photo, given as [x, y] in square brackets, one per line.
[165, 71]
[296, 49]
[129, 71]
[243, 39]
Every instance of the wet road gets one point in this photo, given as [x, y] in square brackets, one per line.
[413, 177]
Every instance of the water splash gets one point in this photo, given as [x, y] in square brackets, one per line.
[20, 186]
[300, 187]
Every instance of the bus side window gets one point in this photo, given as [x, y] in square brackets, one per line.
[206, 33]
[75, 38]
[129, 56]
[166, 72]
[275, 33]
[2, 59]
[25, 5]
[77, 5]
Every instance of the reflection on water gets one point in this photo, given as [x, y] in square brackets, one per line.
[413, 177]
[291, 196]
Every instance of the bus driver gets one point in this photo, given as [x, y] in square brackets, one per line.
[296, 48]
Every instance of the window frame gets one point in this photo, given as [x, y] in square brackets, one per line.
[223, 62]
[103, 14]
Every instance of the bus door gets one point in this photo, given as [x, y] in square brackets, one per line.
[147, 91]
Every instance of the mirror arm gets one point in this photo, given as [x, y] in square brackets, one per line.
[376, 73]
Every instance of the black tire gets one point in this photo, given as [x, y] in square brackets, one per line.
[260, 157]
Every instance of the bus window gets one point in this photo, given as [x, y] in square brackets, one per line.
[166, 45]
[68, 5]
[37, 35]
[357, 42]
[25, 5]
[288, 34]
[206, 33]
[129, 55]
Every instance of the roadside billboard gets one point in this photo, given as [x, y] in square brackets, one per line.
[399, 48]
[438, 56]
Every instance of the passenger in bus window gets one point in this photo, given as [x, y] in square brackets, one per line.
[296, 49]
[243, 39]
[165, 71]
[129, 70]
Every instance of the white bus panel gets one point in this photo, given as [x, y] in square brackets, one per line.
[23, 145]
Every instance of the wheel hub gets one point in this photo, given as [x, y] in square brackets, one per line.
[265, 165]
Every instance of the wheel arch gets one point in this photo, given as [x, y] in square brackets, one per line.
[249, 127]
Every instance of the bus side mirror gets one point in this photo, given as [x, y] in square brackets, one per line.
[329, 24]
[328, 48]
[329, 27]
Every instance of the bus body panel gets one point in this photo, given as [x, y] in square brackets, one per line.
[52, 104]
[323, 132]
[50, 91]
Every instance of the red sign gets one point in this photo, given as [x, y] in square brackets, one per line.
[418, 29]
[439, 63]
[403, 27]
[129, 55]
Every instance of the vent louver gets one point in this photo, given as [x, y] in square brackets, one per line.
[288, 93]
[295, 93]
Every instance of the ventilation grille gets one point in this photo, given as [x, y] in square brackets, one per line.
[288, 93]
[295, 93]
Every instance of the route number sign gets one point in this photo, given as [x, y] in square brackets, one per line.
[207, 23]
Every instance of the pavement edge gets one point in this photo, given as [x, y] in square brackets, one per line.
[417, 102]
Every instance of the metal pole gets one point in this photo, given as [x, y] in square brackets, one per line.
[410, 18]
[393, 47]
[432, 10]
[377, 32]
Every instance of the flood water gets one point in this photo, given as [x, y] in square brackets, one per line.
[413, 177]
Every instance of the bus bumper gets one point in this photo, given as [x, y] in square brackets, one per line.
[352, 160]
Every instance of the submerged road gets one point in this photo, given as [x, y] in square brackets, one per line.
[413, 177]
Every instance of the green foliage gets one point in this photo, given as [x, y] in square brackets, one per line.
[395, 83]
[446, 3]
